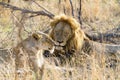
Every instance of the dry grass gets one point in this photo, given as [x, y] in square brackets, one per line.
[83, 68]
[100, 15]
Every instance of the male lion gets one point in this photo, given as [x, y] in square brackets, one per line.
[67, 34]
[30, 51]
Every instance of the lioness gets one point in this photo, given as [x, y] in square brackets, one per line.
[31, 51]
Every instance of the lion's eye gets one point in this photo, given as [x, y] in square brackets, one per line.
[57, 34]
[65, 35]
[66, 32]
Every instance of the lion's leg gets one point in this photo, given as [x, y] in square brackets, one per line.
[21, 65]
[34, 66]
[39, 72]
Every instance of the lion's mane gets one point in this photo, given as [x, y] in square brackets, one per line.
[78, 37]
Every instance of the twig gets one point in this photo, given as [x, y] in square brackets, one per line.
[26, 11]
[72, 7]
[42, 7]
[79, 13]
[59, 68]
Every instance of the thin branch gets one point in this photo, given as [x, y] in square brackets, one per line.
[72, 7]
[106, 48]
[26, 11]
[42, 7]
[109, 37]
[59, 1]
[97, 36]
[101, 48]
[80, 13]
[113, 35]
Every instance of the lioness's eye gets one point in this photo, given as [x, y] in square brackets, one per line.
[49, 48]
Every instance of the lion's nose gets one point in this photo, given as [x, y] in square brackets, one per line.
[60, 41]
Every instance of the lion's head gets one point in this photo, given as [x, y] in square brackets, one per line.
[67, 34]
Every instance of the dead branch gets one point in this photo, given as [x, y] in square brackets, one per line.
[99, 36]
[102, 48]
[19, 23]
[72, 10]
[106, 48]
[42, 7]
[44, 13]
[67, 7]
[80, 13]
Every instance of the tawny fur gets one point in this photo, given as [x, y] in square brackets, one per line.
[29, 53]
[77, 40]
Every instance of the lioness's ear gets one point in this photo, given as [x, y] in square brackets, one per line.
[46, 35]
[35, 36]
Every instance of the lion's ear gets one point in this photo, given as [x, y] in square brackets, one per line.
[36, 36]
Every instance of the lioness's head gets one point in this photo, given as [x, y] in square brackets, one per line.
[63, 29]
[43, 41]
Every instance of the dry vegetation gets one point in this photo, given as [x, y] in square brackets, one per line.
[98, 16]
